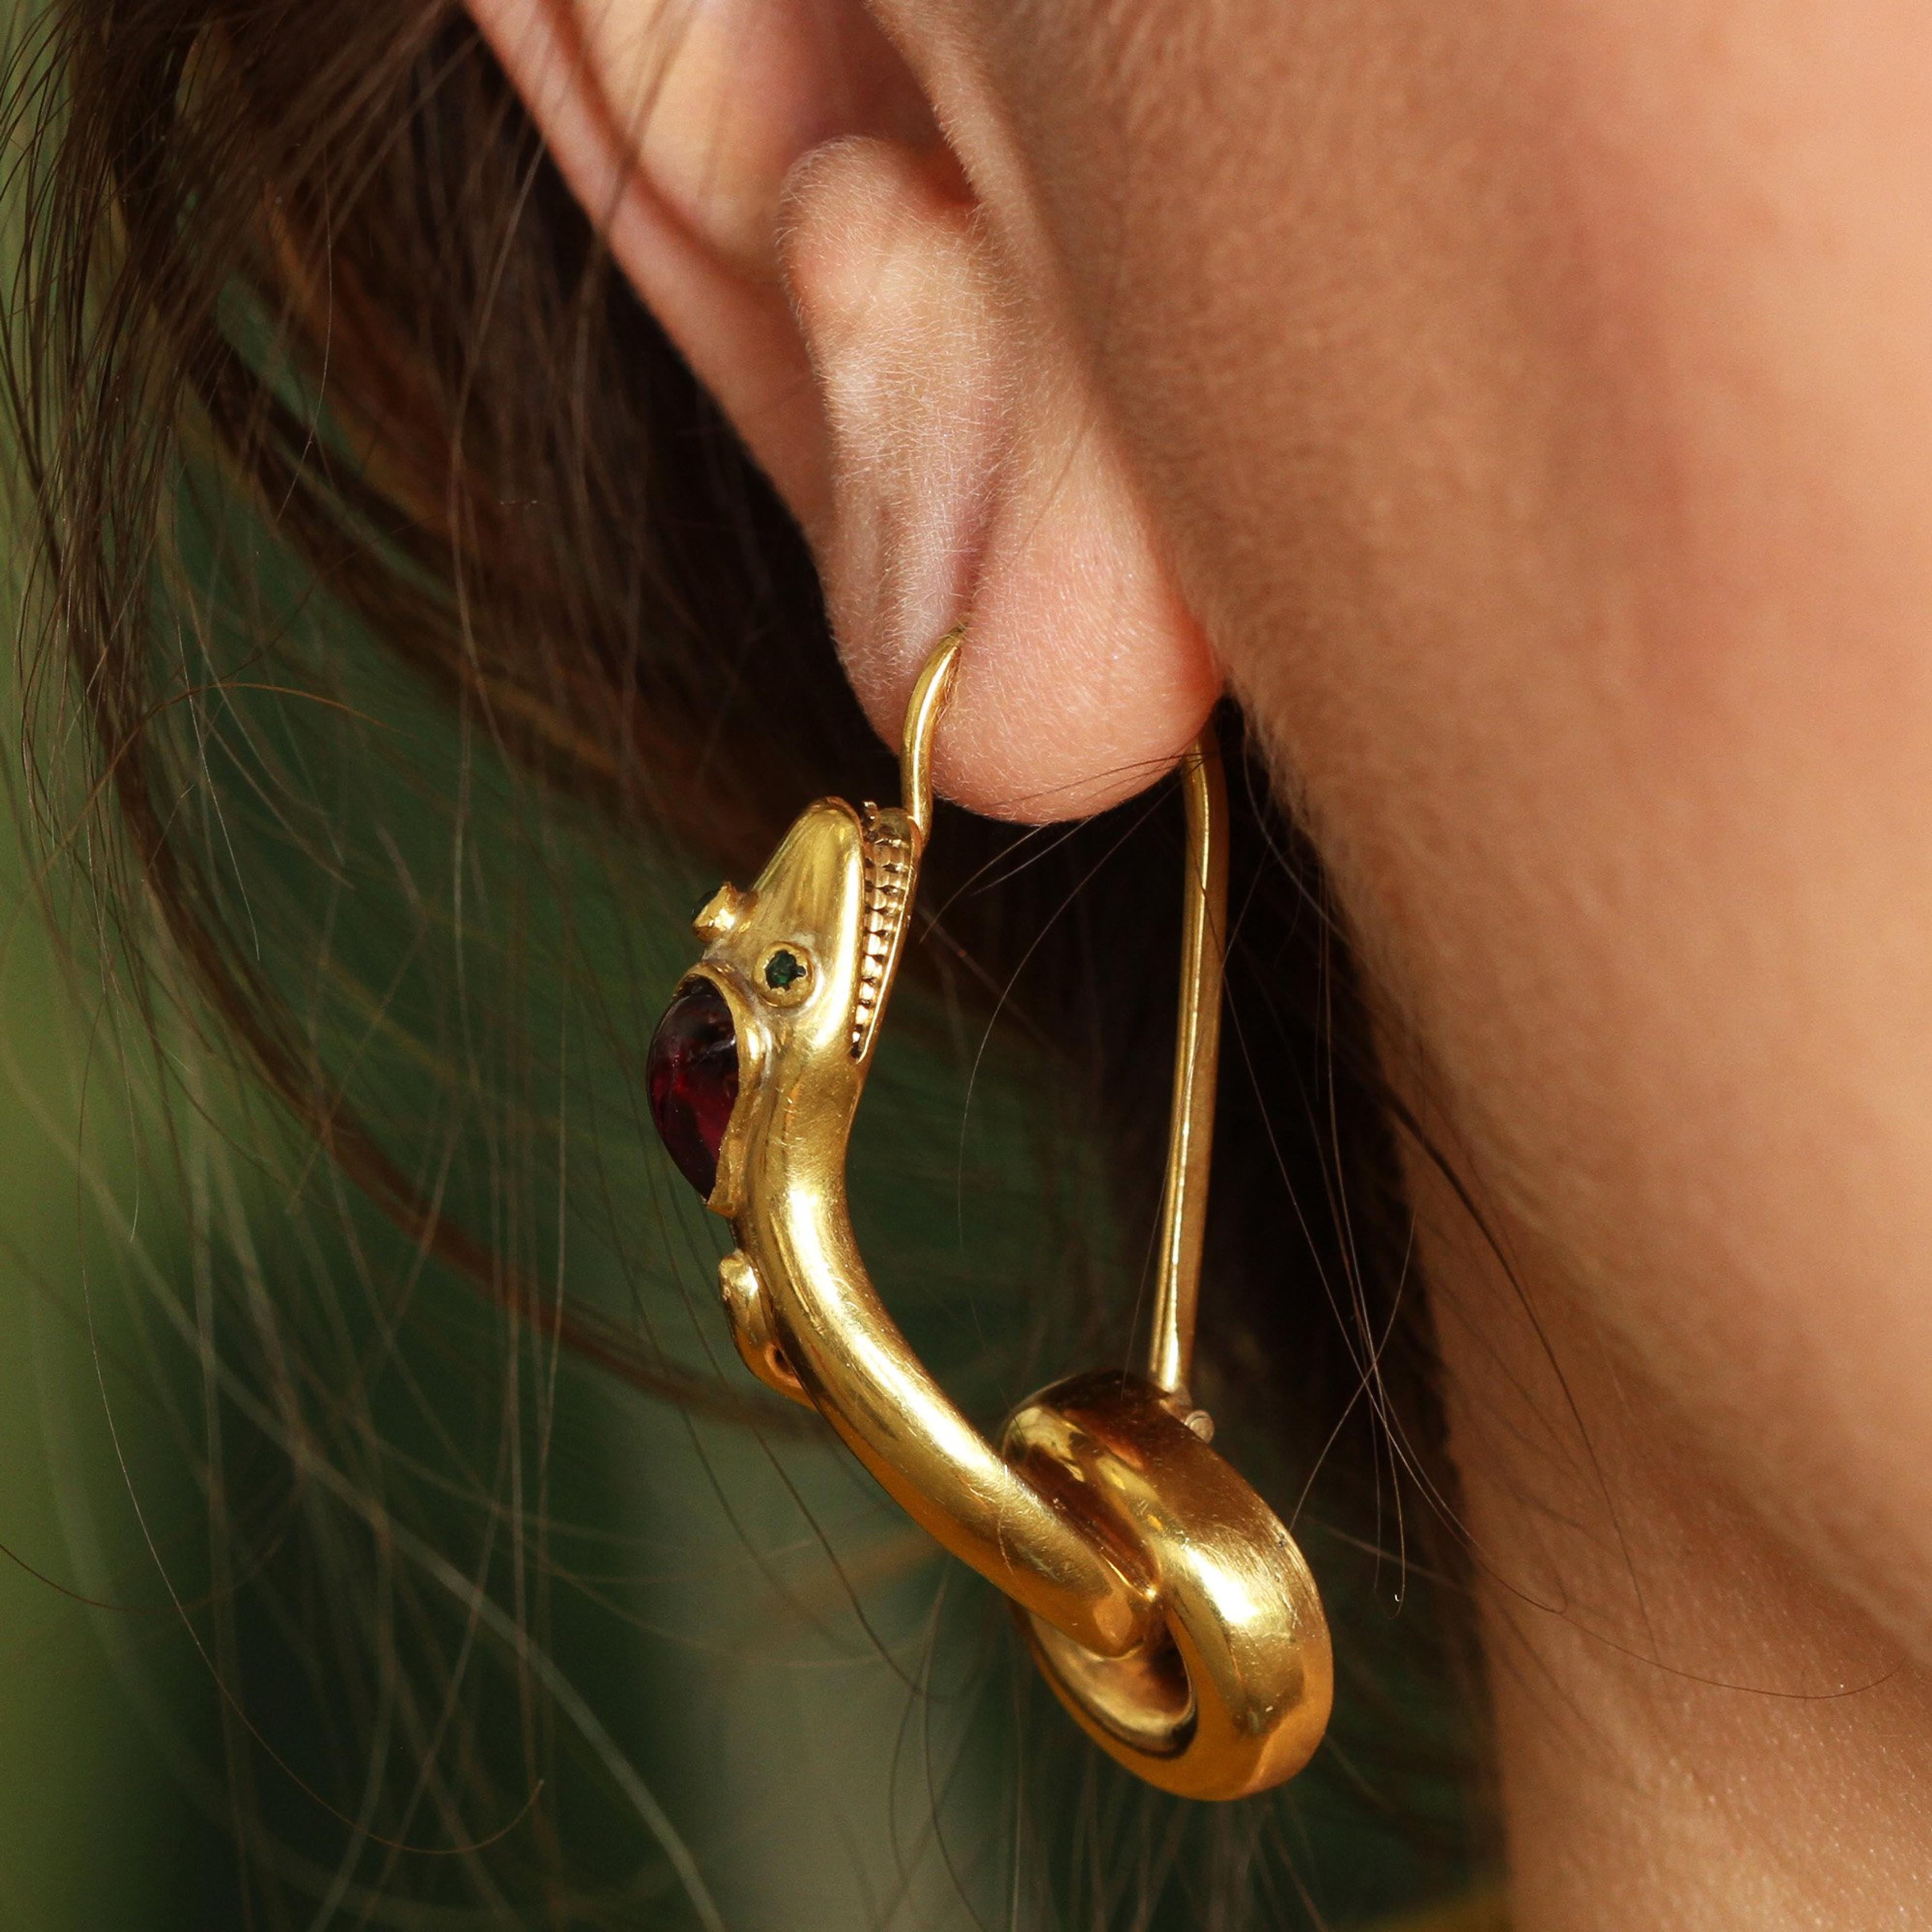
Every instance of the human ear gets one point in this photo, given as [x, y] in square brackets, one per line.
[872, 303]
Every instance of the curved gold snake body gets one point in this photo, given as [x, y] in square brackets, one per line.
[1167, 1605]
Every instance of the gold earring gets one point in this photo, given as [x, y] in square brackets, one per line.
[1166, 1603]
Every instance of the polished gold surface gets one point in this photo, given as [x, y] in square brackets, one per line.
[923, 710]
[758, 1345]
[1232, 1695]
[1197, 1048]
[1165, 1603]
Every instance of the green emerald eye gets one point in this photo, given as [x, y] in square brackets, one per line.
[783, 970]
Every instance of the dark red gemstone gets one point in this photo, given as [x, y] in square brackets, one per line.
[692, 1079]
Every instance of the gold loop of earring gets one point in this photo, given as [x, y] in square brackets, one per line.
[1167, 1605]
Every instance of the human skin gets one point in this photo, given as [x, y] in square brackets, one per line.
[1528, 410]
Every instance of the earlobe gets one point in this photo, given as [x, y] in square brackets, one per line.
[906, 375]
[975, 477]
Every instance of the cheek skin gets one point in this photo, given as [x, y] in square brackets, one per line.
[1542, 423]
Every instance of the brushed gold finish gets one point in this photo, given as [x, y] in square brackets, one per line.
[1166, 1604]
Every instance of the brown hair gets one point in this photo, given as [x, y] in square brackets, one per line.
[310, 260]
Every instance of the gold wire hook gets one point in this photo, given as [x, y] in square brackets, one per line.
[1168, 1606]
[1197, 1050]
[927, 705]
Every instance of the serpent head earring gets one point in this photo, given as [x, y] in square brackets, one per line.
[1166, 1603]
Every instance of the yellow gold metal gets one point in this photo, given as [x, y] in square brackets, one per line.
[928, 699]
[721, 912]
[1167, 1605]
[1232, 1695]
[761, 1350]
[1197, 1049]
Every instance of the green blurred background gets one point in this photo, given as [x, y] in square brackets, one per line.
[703, 1676]
[331, 1595]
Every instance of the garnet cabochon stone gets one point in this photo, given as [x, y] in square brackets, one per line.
[692, 1080]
